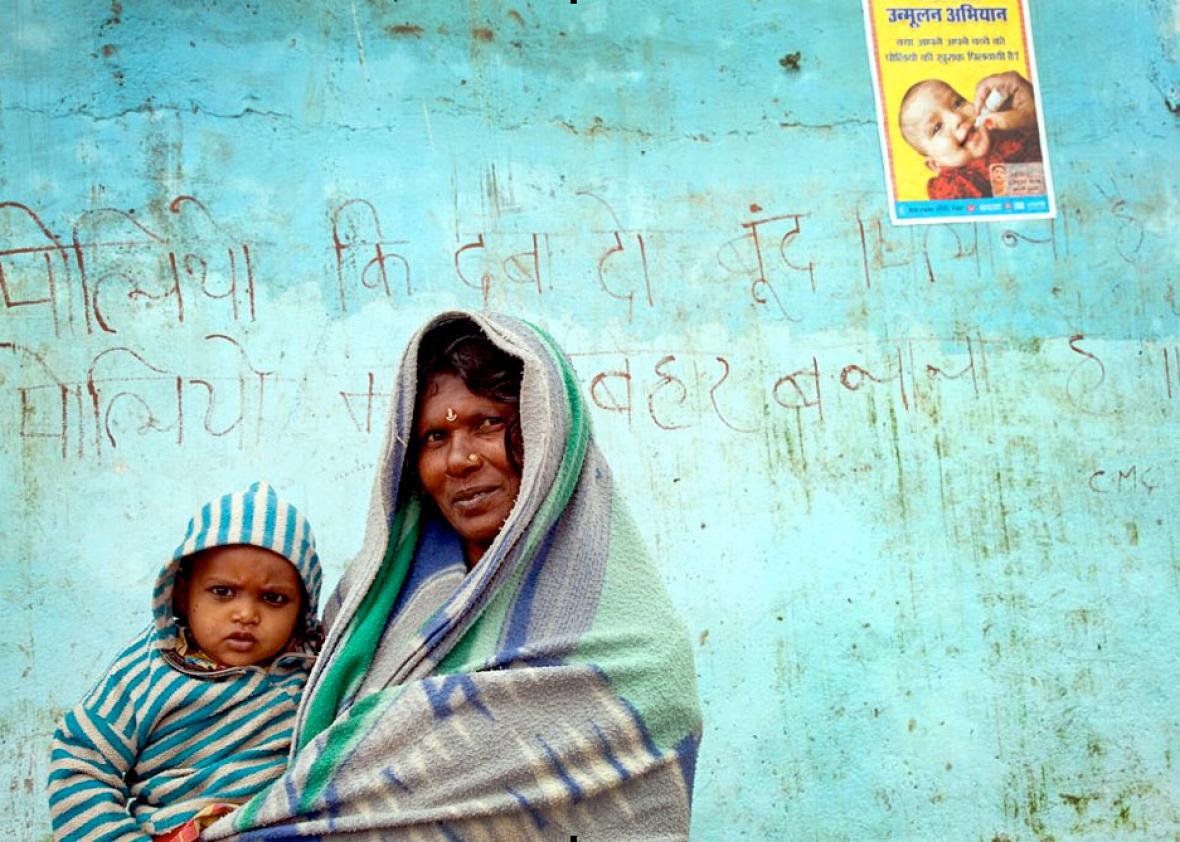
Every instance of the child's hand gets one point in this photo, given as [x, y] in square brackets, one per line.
[1018, 111]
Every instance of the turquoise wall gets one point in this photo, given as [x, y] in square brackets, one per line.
[912, 489]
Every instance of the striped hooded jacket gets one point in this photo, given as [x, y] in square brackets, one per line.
[166, 732]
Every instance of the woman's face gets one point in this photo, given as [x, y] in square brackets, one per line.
[463, 462]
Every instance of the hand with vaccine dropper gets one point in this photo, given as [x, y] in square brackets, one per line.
[1004, 103]
[993, 102]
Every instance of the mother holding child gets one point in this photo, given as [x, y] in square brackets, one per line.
[501, 660]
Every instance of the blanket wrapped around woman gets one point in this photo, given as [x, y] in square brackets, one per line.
[547, 692]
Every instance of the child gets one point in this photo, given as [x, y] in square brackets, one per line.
[942, 125]
[195, 716]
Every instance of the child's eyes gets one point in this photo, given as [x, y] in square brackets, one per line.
[270, 598]
[935, 129]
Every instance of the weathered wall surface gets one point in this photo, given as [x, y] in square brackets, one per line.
[912, 489]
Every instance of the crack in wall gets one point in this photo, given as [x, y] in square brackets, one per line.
[150, 109]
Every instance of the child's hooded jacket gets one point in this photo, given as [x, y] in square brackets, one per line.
[168, 731]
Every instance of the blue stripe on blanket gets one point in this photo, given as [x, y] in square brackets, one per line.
[537, 818]
[523, 655]
[438, 549]
[275, 834]
[438, 692]
[289, 791]
[686, 753]
[648, 742]
[333, 805]
[389, 775]
[571, 786]
[604, 744]
[518, 623]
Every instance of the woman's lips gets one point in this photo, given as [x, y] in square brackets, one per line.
[471, 499]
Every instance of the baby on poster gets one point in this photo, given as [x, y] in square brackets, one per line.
[964, 142]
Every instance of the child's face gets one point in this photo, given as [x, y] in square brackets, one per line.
[941, 125]
[241, 603]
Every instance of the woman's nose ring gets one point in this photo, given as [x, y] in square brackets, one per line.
[473, 458]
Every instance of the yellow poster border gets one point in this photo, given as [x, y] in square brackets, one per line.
[965, 25]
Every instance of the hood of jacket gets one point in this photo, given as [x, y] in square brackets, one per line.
[257, 516]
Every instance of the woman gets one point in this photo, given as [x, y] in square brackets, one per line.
[502, 660]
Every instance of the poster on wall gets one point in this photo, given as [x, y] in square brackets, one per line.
[959, 111]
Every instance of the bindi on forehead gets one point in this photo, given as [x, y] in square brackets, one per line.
[442, 401]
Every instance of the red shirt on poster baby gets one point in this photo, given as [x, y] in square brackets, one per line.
[973, 180]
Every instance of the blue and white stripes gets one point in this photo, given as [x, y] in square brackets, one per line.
[257, 516]
[150, 746]
[154, 742]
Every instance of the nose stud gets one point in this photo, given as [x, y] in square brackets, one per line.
[451, 416]
[473, 458]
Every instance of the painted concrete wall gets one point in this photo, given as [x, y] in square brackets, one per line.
[912, 489]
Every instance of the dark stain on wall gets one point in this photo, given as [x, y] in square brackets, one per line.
[404, 29]
[116, 17]
[1079, 802]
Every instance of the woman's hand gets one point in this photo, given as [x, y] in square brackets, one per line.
[1018, 110]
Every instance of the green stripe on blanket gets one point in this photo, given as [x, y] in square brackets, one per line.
[354, 658]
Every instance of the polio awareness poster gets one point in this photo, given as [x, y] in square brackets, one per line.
[959, 111]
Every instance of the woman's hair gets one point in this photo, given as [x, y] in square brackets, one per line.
[462, 349]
